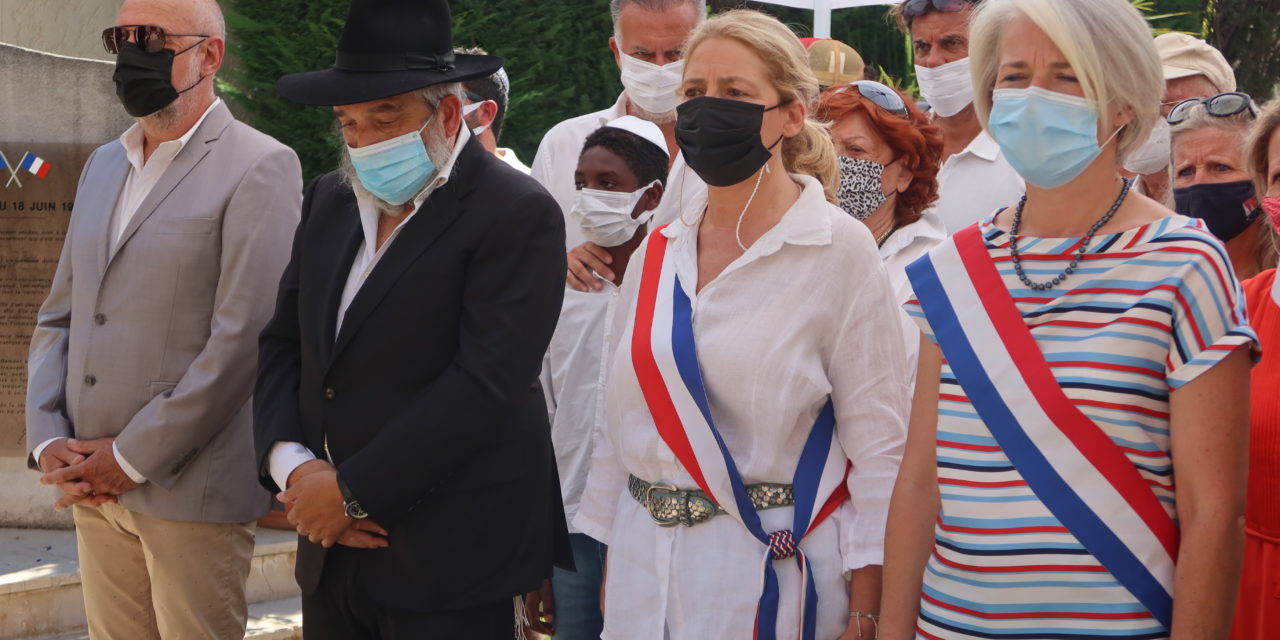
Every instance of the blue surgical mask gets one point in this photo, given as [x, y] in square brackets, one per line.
[394, 170]
[1049, 138]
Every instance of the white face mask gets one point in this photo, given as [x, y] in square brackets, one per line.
[605, 216]
[1154, 154]
[947, 88]
[649, 86]
[470, 109]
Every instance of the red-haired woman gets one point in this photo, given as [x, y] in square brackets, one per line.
[888, 154]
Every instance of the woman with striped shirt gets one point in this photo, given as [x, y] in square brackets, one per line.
[1075, 463]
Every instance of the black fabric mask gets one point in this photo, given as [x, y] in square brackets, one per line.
[720, 139]
[1228, 208]
[142, 79]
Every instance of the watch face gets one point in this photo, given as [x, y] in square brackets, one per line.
[354, 510]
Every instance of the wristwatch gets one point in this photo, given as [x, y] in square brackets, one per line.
[349, 502]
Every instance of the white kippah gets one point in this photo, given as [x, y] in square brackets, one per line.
[643, 128]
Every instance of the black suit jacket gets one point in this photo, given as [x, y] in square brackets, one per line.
[429, 395]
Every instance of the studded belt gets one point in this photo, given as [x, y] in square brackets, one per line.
[670, 505]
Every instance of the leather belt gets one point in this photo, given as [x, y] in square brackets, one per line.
[670, 505]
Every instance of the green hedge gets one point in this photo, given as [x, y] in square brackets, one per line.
[556, 51]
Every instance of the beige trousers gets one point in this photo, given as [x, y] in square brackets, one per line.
[147, 578]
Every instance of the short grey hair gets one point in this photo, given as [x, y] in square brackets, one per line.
[437, 92]
[615, 8]
[208, 18]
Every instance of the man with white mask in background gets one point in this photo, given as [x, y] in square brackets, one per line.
[648, 46]
[975, 180]
[484, 110]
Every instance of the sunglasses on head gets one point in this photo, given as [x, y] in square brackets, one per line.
[883, 96]
[1222, 105]
[149, 38]
[917, 8]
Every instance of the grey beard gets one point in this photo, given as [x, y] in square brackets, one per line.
[656, 118]
[171, 113]
[438, 150]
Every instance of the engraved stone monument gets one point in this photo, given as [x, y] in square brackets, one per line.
[54, 111]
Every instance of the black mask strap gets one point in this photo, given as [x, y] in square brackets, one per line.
[198, 43]
[783, 103]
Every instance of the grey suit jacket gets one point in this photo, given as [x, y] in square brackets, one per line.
[157, 343]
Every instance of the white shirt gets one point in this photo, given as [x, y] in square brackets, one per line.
[287, 456]
[975, 183]
[573, 375]
[557, 159]
[138, 183]
[509, 156]
[900, 249]
[805, 314]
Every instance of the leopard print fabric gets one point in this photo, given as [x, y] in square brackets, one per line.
[860, 190]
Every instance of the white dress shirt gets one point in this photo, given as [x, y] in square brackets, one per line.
[573, 375]
[899, 250]
[806, 313]
[138, 183]
[557, 159]
[509, 156]
[287, 456]
[975, 183]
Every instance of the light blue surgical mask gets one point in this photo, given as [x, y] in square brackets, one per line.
[1049, 138]
[394, 170]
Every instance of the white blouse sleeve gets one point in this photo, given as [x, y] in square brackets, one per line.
[869, 379]
[607, 478]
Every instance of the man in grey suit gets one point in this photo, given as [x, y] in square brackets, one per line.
[144, 355]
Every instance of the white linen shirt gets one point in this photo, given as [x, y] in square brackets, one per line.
[899, 250]
[806, 313]
[138, 183]
[975, 183]
[287, 456]
[573, 375]
[557, 159]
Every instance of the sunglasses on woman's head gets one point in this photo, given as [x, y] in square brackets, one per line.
[917, 8]
[883, 96]
[1222, 105]
[149, 38]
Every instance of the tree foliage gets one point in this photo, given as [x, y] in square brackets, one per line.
[1247, 32]
[558, 58]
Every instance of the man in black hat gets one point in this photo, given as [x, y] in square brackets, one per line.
[397, 408]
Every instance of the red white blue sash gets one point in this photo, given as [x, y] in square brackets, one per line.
[1067, 460]
[666, 364]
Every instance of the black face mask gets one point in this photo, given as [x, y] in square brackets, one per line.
[720, 139]
[142, 79]
[1228, 208]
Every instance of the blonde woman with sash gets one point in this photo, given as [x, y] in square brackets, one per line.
[755, 412]
[1075, 464]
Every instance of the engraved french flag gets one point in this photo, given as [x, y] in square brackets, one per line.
[35, 164]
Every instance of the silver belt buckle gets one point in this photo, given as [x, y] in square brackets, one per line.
[652, 507]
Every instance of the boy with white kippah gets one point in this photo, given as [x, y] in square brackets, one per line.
[620, 178]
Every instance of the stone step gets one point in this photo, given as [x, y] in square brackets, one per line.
[40, 593]
[274, 620]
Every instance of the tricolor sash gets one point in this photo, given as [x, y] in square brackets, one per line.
[666, 365]
[1070, 464]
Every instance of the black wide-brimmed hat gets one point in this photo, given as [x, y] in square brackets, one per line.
[388, 47]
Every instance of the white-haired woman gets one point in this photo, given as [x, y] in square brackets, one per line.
[1086, 352]
[757, 396]
[1210, 180]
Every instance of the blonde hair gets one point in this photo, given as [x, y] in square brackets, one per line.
[1107, 43]
[1257, 157]
[810, 152]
